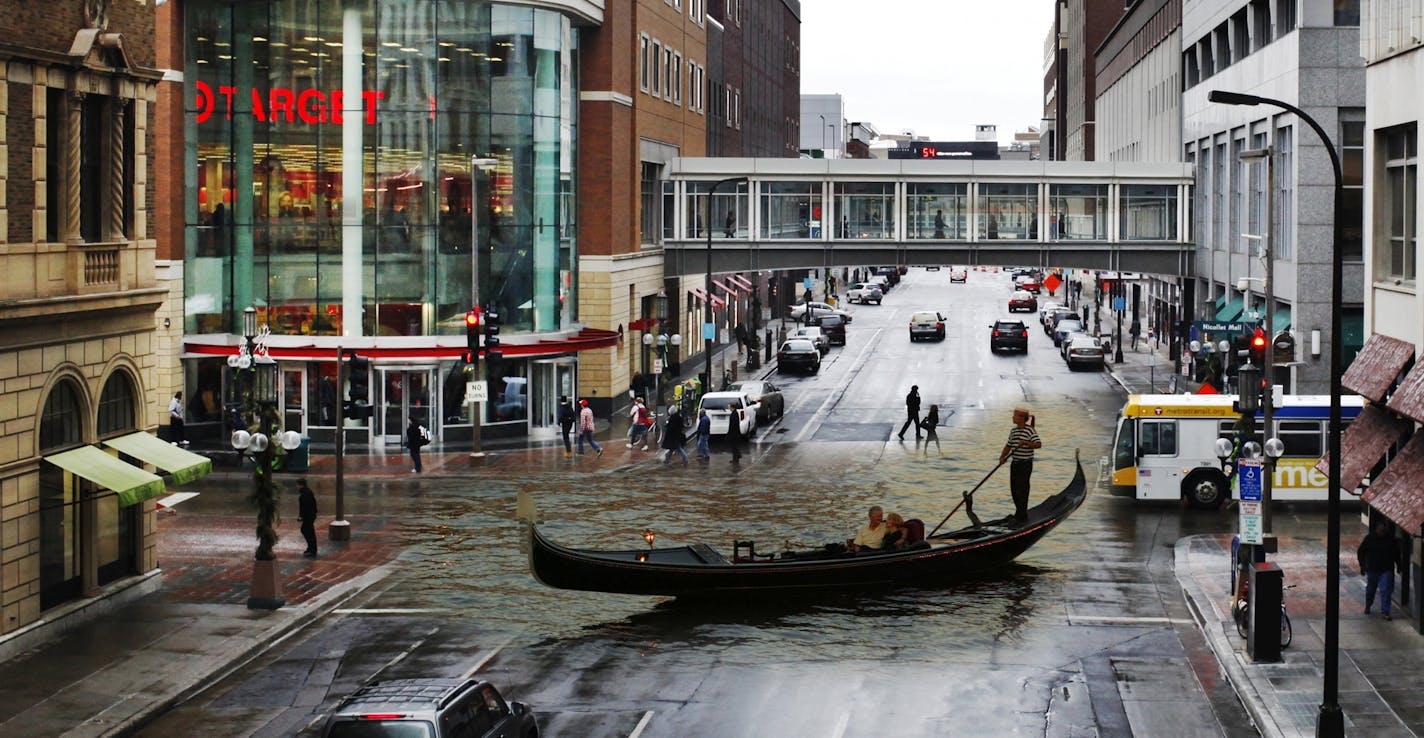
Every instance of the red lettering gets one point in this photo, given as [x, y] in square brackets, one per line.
[204, 101]
[337, 98]
[369, 97]
[227, 91]
[280, 104]
[258, 111]
[311, 112]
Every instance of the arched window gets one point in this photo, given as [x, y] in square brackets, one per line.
[116, 405]
[62, 422]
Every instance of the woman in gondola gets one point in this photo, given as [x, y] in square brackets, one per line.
[895, 533]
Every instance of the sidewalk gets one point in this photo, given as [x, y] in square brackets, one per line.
[1381, 663]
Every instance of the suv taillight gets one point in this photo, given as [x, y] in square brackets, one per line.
[383, 716]
[996, 333]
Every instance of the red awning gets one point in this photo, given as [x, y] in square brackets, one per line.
[725, 288]
[1378, 365]
[1408, 398]
[698, 293]
[1397, 493]
[740, 281]
[1364, 444]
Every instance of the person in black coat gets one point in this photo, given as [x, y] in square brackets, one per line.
[1377, 555]
[306, 512]
[567, 418]
[912, 412]
[734, 431]
[674, 436]
[414, 439]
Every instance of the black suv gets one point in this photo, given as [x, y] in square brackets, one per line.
[834, 327]
[1008, 334]
[429, 708]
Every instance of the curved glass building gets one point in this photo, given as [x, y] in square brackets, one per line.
[363, 173]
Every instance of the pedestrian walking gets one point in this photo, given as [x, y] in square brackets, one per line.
[912, 412]
[674, 436]
[734, 431]
[930, 423]
[729, 225]
[1134, 330]
[175, 420]
[306, 512]
[416, 436]
[1378, 553]
[585, 427]
[1023, 441]
[567, 418]
[704, 436]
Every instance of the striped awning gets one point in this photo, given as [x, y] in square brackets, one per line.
[1231, 310]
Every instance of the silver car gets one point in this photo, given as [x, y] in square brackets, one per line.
[815, 335]
[1083, 350]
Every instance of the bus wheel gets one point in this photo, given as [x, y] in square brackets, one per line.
[1205, 490]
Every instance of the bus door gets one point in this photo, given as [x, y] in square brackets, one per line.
[1159, 466]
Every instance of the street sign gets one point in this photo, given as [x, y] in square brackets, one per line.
[657, 366]
[476, 392]
[709, 331]
[1119, 304]
[1248, 473]
[1251, 527]
[808, 282]
[1052, 282]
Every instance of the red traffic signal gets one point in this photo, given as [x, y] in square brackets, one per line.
[472, 319]
[1258, 341]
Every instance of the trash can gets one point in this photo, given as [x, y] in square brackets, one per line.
[298, 459]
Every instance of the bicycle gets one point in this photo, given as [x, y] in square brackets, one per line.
[1241, 612]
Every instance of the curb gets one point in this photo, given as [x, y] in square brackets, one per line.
[254, 646]
[1221, 647]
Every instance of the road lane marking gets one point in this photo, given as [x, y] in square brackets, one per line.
[489, 655]
[637, 731]
[834, 397]
[841, 725]
[410, 650]
[1076, 619]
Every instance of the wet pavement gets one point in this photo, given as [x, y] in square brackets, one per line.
[1076, 641]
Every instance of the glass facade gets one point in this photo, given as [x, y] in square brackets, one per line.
[311, 201]
[1078, 212]
[867, 209]
[1149, 212]
[936, 210]
[791, 210]
[1008, 210]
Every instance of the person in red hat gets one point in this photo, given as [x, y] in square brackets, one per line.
[585, 426]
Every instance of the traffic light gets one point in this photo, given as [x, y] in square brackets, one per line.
[1258, 347]
[472, 336]
[491, 329]
[358, 390]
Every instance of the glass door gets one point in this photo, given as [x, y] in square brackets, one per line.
[405, 393]
[292, 396]
[553, 378]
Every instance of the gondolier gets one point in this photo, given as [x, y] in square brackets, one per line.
[1018, 451]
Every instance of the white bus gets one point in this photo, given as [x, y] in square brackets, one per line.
[1165, 447]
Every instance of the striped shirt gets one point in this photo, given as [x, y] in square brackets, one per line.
[1018, 435]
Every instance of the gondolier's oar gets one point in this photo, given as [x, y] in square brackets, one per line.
[967, 496]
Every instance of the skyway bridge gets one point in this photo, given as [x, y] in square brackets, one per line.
[767, 214]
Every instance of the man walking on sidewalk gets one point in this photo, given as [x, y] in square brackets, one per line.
[175, 420]
[912, 412]
[1377, 554]
[567, 418]
[704, 436]
[585, 425]
[306, 512]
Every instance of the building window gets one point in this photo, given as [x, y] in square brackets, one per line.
[1260, 24]
[655, 86]
[649, 225]
[791, 210]
[1347, 12]
[1401, 149]
[1238, 197]
[669, 73]
[116, 405]
[643, 71]
[1352, 162]
[1282, 245]
[727, 105]
[675, 74]
[866, 210]
[737, 108]
[1285, 17]
[1218, 210]
[937, 210]
[1079, 212]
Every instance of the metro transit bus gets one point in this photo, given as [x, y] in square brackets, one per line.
[1165, 446]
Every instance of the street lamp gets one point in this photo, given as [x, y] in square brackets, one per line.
[257, 377]
[1330, 720]
[709, 327]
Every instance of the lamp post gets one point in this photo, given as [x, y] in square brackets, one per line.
[1330, 720]
[257, 376]
[709, 327]
[477, 454]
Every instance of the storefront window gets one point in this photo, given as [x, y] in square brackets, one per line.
[791, 210]
[937, 210]
[1078, 212]
[1008, 210]
[467, 109]
[865, 210]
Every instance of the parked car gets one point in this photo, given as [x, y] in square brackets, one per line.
[815, 335]
[438, 708]
[1051, 319]
[882, 281]
[770, 405]
[891, 273]
[1022, 300]
[1008, 334]
[1066, 325]
[800, 354]
[834, 328]
[926, 324]
[798, 312]
[722, 406]
[1067, 339]
[932, 267]
[1083, 350]
[864, 292]
[958, 274]
[1044, 307]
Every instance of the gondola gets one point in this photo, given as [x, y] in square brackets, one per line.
[698, 571]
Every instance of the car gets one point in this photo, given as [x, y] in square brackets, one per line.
[926, 324]
[1008, 334]
[882, 281]
[932, 268]
[958, 274]
[798, 312]
[1083, 350]
[890, 273]
[1027, 283]
[834, 328]
[1066, 325]
[1022, 300]
[865, 292]
[437, 708]
[1051, 318]
[815, 335]
[798, 353]
[1044, 306]
[770, 404]
[722, 406]
[1067, 339]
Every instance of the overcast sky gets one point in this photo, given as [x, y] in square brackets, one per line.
[937, 68]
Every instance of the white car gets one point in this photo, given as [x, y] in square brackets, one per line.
[864, 292]
[798, 312]
[814, 335]
[720, 407]
[958, 274]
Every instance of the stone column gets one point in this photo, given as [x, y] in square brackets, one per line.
[115, 223]
[73, 129]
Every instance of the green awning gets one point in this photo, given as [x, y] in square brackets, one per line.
[1231, 311]
[1281, 320]
[132, 484]
[1220, 303]
[184, 465]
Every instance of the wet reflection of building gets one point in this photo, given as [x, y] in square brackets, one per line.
[347, 218]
